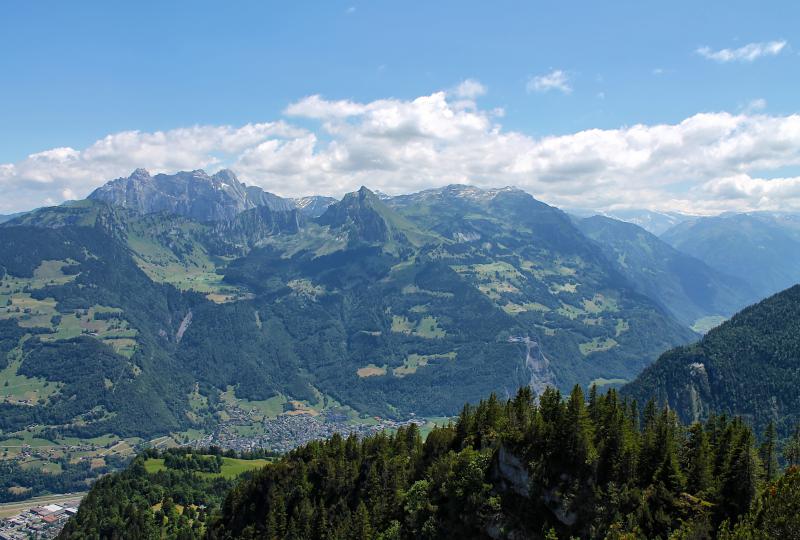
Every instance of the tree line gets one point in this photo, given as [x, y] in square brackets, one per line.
[558, 466]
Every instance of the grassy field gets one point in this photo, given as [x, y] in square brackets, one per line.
[597, 345]
[599, 304]
[622, 326]
[44, 466]
[512, 308]
[231, 467]
[268, 408]
[415, 361]
[19, 389]
[428, 327]
[16, 303]
[438, 421]
[116, 332]
[401, 325]
[703, 325]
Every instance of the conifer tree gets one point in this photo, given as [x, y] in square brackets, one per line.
[700, 467]
[767, 453]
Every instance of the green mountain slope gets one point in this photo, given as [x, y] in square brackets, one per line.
[687, 287]
[531, 261]
[76, 326]
[406, 306]
[762, 249]
[746, 367]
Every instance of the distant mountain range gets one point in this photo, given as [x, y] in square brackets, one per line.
[9, 217]
[760, 248]
[656, 223]
[689, 288]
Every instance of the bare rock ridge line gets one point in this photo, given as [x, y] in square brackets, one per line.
[538, 364]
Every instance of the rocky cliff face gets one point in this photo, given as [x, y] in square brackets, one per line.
[193, 194]
[253, 226]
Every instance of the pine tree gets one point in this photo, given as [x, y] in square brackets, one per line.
[578, 440]
[594, 410]
[700, 466]
[767, 453]
[362, 528]
[738, 484]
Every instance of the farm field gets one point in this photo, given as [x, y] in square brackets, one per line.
[231, 467]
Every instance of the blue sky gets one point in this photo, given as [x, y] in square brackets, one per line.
[73, 73]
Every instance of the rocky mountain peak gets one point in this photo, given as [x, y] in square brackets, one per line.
[140, 174]
[226, 176]
[194, 194]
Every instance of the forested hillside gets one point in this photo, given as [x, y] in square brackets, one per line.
[746, 367]
[559, 468]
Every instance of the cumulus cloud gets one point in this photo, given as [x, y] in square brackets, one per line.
[747, 53]
[707, 163]
[555, 80]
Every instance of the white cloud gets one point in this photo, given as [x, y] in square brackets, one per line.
[747, 53]
[470, 89]
[317, 107]
[555, 80]
[709, 162]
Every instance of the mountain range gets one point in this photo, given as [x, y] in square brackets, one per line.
[656, 223]
[145, 308]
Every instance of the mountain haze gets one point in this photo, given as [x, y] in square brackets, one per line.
[690, 289]
[760, 248]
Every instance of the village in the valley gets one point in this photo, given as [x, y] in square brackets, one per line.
[241, 429]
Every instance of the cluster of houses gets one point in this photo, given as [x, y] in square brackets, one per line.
[38, 522]
[288, 431]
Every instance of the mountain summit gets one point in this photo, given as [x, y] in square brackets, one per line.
[194, 194]
[366, 218]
